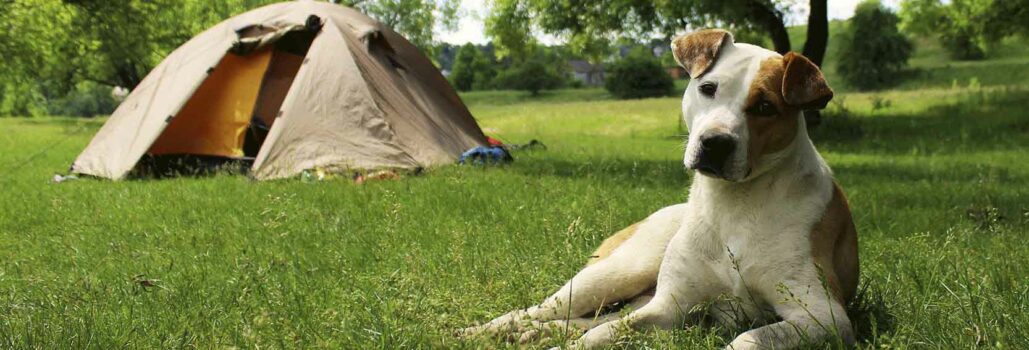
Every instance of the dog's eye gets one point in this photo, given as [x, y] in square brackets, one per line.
[708, 89]
[763, 108]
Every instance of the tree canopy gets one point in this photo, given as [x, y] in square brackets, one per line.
[51, 46]
[873, 52]
[967, 28]
[472, 69]
[591, 26]
[541, 71]
[638, 75]
[416, 19]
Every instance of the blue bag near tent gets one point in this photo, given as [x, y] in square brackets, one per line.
[486, 155]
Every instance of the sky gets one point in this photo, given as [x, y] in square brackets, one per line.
[471, 29]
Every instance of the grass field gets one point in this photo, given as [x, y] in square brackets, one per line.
[937, 172]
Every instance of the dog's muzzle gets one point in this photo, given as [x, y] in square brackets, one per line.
[715, 152]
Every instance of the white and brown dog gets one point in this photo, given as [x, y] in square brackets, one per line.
[766, 237]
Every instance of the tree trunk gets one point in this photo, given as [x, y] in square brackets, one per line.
[771, 20]
[780, 38]
[817, 32]
[814, 47]
[128, 75]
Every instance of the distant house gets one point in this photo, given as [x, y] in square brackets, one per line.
[589, 74]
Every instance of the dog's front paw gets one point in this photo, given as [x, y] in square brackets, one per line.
[533, 335]
[499, 325]
[469, 332]
[544, 331]
[575, 345]
[744, 342]
[598, 337]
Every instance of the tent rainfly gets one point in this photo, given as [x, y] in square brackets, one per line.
[291, 86]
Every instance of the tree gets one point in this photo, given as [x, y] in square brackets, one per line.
[35, 48]
[638, 75]
[485, 70]
[472, 70]
[50, 46]
[817, 31]
[590, 28]
[873, 52]
[415, 19]
[533, 75]
[119, 39]
[127, 38]
[966, 28]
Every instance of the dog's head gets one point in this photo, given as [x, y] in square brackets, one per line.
[743, 103]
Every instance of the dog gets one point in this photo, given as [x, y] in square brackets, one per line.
[765, 239]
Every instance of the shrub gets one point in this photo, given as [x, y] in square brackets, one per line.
[533, 75]
[959, 26]
[21, 99]
[967, 29]
[472, 70]
[86, 100]
[873, 52]
[638, 75]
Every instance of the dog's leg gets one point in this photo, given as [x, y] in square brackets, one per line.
[813, 316]
[608, 281]
[661, 313]
[551, 329]
[627, 271]
[684, 283]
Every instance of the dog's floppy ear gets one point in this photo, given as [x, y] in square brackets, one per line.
[698, 51]
[803, 85]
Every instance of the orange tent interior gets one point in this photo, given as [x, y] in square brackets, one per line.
[214, 121]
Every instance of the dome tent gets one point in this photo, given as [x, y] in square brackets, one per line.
[292, 86]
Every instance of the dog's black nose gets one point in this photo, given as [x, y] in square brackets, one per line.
[715, 151]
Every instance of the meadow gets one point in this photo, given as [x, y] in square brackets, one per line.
[936, 170]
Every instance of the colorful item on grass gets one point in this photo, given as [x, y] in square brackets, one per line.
[485, 156]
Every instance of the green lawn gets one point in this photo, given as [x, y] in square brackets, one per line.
[938, 178]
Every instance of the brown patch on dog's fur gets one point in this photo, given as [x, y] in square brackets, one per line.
[803, 85]
[698, 51]
[772, 133]
[612, 243]
[834, 247]
[792, 84]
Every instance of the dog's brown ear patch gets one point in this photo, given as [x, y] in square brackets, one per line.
[803, 85]
[698, 51]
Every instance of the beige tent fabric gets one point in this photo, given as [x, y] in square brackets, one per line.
[282, 71]
[364, 98]
[214, 121]
[329, 119]
[139, 119]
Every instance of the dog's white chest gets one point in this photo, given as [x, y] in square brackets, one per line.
[750, 241]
